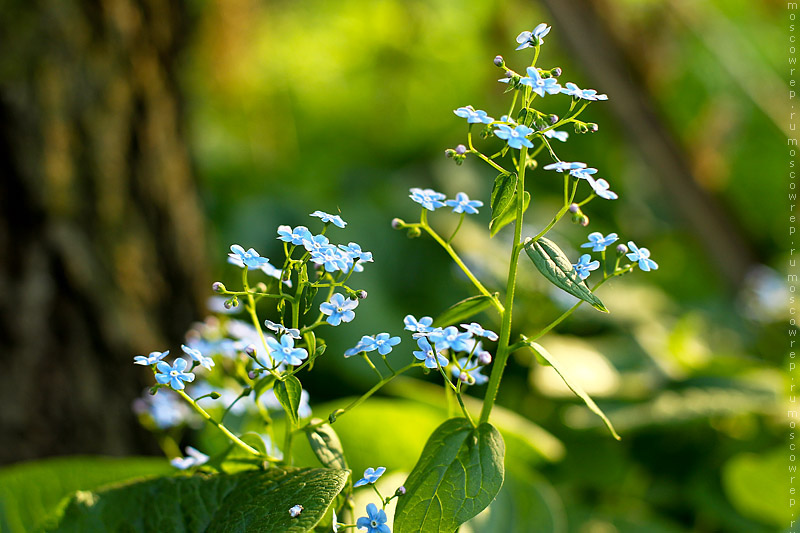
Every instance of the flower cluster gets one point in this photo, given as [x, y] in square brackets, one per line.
[432, 200]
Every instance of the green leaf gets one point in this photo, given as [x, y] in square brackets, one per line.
[756, 485]
[254, 500]
[509, 215]
[288, 394]
[458, 475]
[32, 490]
[326, 445]
[463, 310]
[505, 185]
[540, 351]
[555, 266]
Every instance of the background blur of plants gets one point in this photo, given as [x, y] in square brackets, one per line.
[289, 107]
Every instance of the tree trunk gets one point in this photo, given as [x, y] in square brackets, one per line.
[101, 236]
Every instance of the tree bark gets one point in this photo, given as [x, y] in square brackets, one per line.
[101, 236]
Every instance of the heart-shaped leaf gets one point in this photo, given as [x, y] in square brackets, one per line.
[288, 392]
[508, 215]
[326, 445]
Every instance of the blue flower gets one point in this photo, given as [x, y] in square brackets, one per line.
[426, 353]
[558, 135]
[584, 94]
[195, 354]
[280, 329]
[642, 255]
[584, 173]
[598, 243]
[421, 325]
[352, 252]
[173, 375]
[371, 475]
[473, 370]
[601, 189]
[451, 338]
[285, 352]
[564, 166]
[151, 359]
[533, 38]
[516, 138]
[540, 86]
[384, 343]
[294, 236]
[473, 116]
[462, 204]
[327, 218]
[366, 344]
[427, 198]
[339, 309]
[375, 521]
[250, 258]
[331, 257]
[585, 265]
[477, 330]
[194, 458]
[315, 242]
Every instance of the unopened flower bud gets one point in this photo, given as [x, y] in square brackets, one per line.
[261, 286]
[214, 395]
[484, 358]
[362, 294]
[461, 149]
[252, 374]
[449, 153]
[217, 286]
[464, 377]
[574, 208]
[553, 119]
[414, 232]
[332, 417]
[509, 74]
[250, 350]
[401, 490]
[499, 61]
[584, 221]
[593, 127]
[231, 303]
[621, 249]
[556, 72]
[398, 223]
[153, 390]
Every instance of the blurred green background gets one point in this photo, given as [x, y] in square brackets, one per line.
[288, 107]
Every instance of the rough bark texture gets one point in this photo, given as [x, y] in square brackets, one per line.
[101, 237]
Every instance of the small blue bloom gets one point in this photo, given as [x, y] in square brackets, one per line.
[250, 258]
[472, 369]
[294, 236]
[477, 330]
[451, 338]
[371, 475]
[516, 138]
[558, 135]
[601, 189]
[339, 309]
[427, 198]
[352, 252]
[194, 458]
[585, 265]
[598, 243]
[540, 86]
[642, 255]
[366, 344]
[421, 325]
[584, 173]
[427, 354]
[151, 359]
[174, 374]
[330, 257]
[195, 354]
[375, 521]
[584, 94]
[384, 343]
[533, 38]
[473, 116]
[285, 352]
[327, 218]
[315, 242]
[462, 204]
[280, 329]
[564, 166]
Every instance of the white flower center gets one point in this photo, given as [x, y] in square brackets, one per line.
[373, 523]
[173, 373]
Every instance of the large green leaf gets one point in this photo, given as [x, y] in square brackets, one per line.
[463, 310]
[508, 215]
[458, 475]
[505, 185]
[30, 491]
[326, 445]
[254, 501]
[540, 351]
[288, 392]
[556, 267]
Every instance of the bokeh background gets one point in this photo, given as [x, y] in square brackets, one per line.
[139, 139]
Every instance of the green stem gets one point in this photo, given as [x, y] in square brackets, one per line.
[251, 310]
[458, 227]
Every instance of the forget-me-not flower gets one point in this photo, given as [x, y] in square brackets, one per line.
[585, 265]
[315, 243]
[584, 94]
[280, 329]
[477, 330]
[371, 475]
[352, 252]
[331, 258]
[598, 243]
[174, 374]
[250, 258]
[540, 86]
[473, 116]
[565, 166]
[584, 173]
[532, 38]
[285, 352]
[558, 135]
[422, 325]
[427, 354]
[462, 204]
[193, 458]
[366, 344]
[517, 137]
[327, 218]
[427, 198]
[339, 309]
[642, 256]
[151, 359]
[195, 354]
[450, 337]
[384, 343]
[294, 236]
[472, 369]
[601, 189]
[375, 521]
